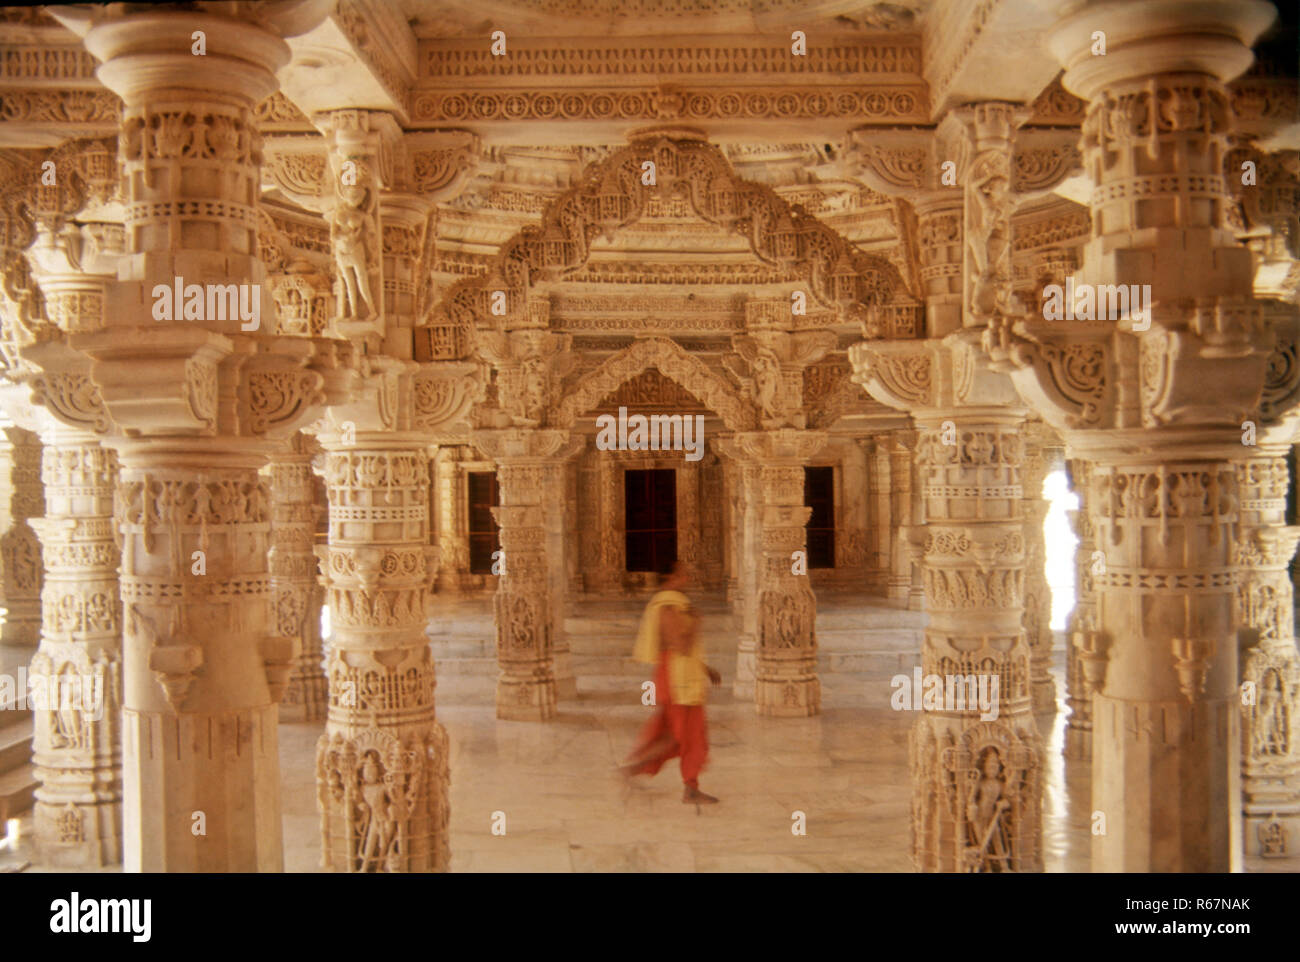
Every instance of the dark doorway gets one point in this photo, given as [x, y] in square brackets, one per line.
[819, 494]
[484, 535]
[650, 507]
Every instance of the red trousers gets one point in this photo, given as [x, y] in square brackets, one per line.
[684, 724]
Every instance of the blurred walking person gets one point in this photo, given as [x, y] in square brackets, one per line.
[669, 638]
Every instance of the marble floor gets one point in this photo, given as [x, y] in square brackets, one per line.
[566, 810]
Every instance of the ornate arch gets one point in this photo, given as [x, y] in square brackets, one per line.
[612, 195]
[674, 363]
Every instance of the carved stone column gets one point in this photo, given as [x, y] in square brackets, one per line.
[786, 683]
[747, 541]
[900, 474]
[939, 252]
[382, 764]
[606, 575]
[78, 742]
[297, 594]
[1128, 392]
[530, 464]
[1082, 625]
[976, 769]
[1038, 594]
[1270, 671]
[558, 552]
[453, 544]
[974, 591]
[21, 500]
[201, 668]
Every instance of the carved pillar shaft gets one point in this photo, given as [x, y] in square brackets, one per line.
[294, 583]
[901, 509]
[940, 252]
[382, 764]
[785, 675]
[1270, 670]
[202, 669]
[1083, 620]
[558, 548]
[611, 564]
[1038, 594]
[747, 477]
[1165, 717]
[453, 542]
[976, 753]
[530, 468]
[78, 668]
[21, 499]
[526, 686]
[1163, 495]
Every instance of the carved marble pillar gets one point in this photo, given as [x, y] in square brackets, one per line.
[939, 253]
[1083, 620]
[558, 552]
[453, 543]
[732, 522]
[881, 526]
[606, 577]
[903, 584]
[21, 499]
[977, 776]
[1128, 391]
[785, 683]
[1270, 670]
[712, 537]
[1038, 594]
[295, 586]
[382, 764]
[529, 468]
[196, 397]
[78, 741]
[976, 754]
[202, 670]
[747, 549]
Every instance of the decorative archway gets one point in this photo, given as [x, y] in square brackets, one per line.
[613, 193]
[673, 362]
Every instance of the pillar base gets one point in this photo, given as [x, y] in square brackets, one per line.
[224, 766]
[1167, 776]
[78, 834]
[1273, 837]
[788, 697]
[526, 699]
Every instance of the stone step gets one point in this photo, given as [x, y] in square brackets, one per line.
[16, 744]
[17, 791]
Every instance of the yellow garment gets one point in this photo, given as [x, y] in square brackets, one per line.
[688, 680]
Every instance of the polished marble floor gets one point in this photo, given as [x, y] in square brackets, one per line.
[566, 810]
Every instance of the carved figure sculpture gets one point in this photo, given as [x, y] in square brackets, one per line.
[988, 841]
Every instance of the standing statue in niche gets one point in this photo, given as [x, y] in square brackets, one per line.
[352, 253]
[1270, 717]
[988, 842]
[376, 828]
